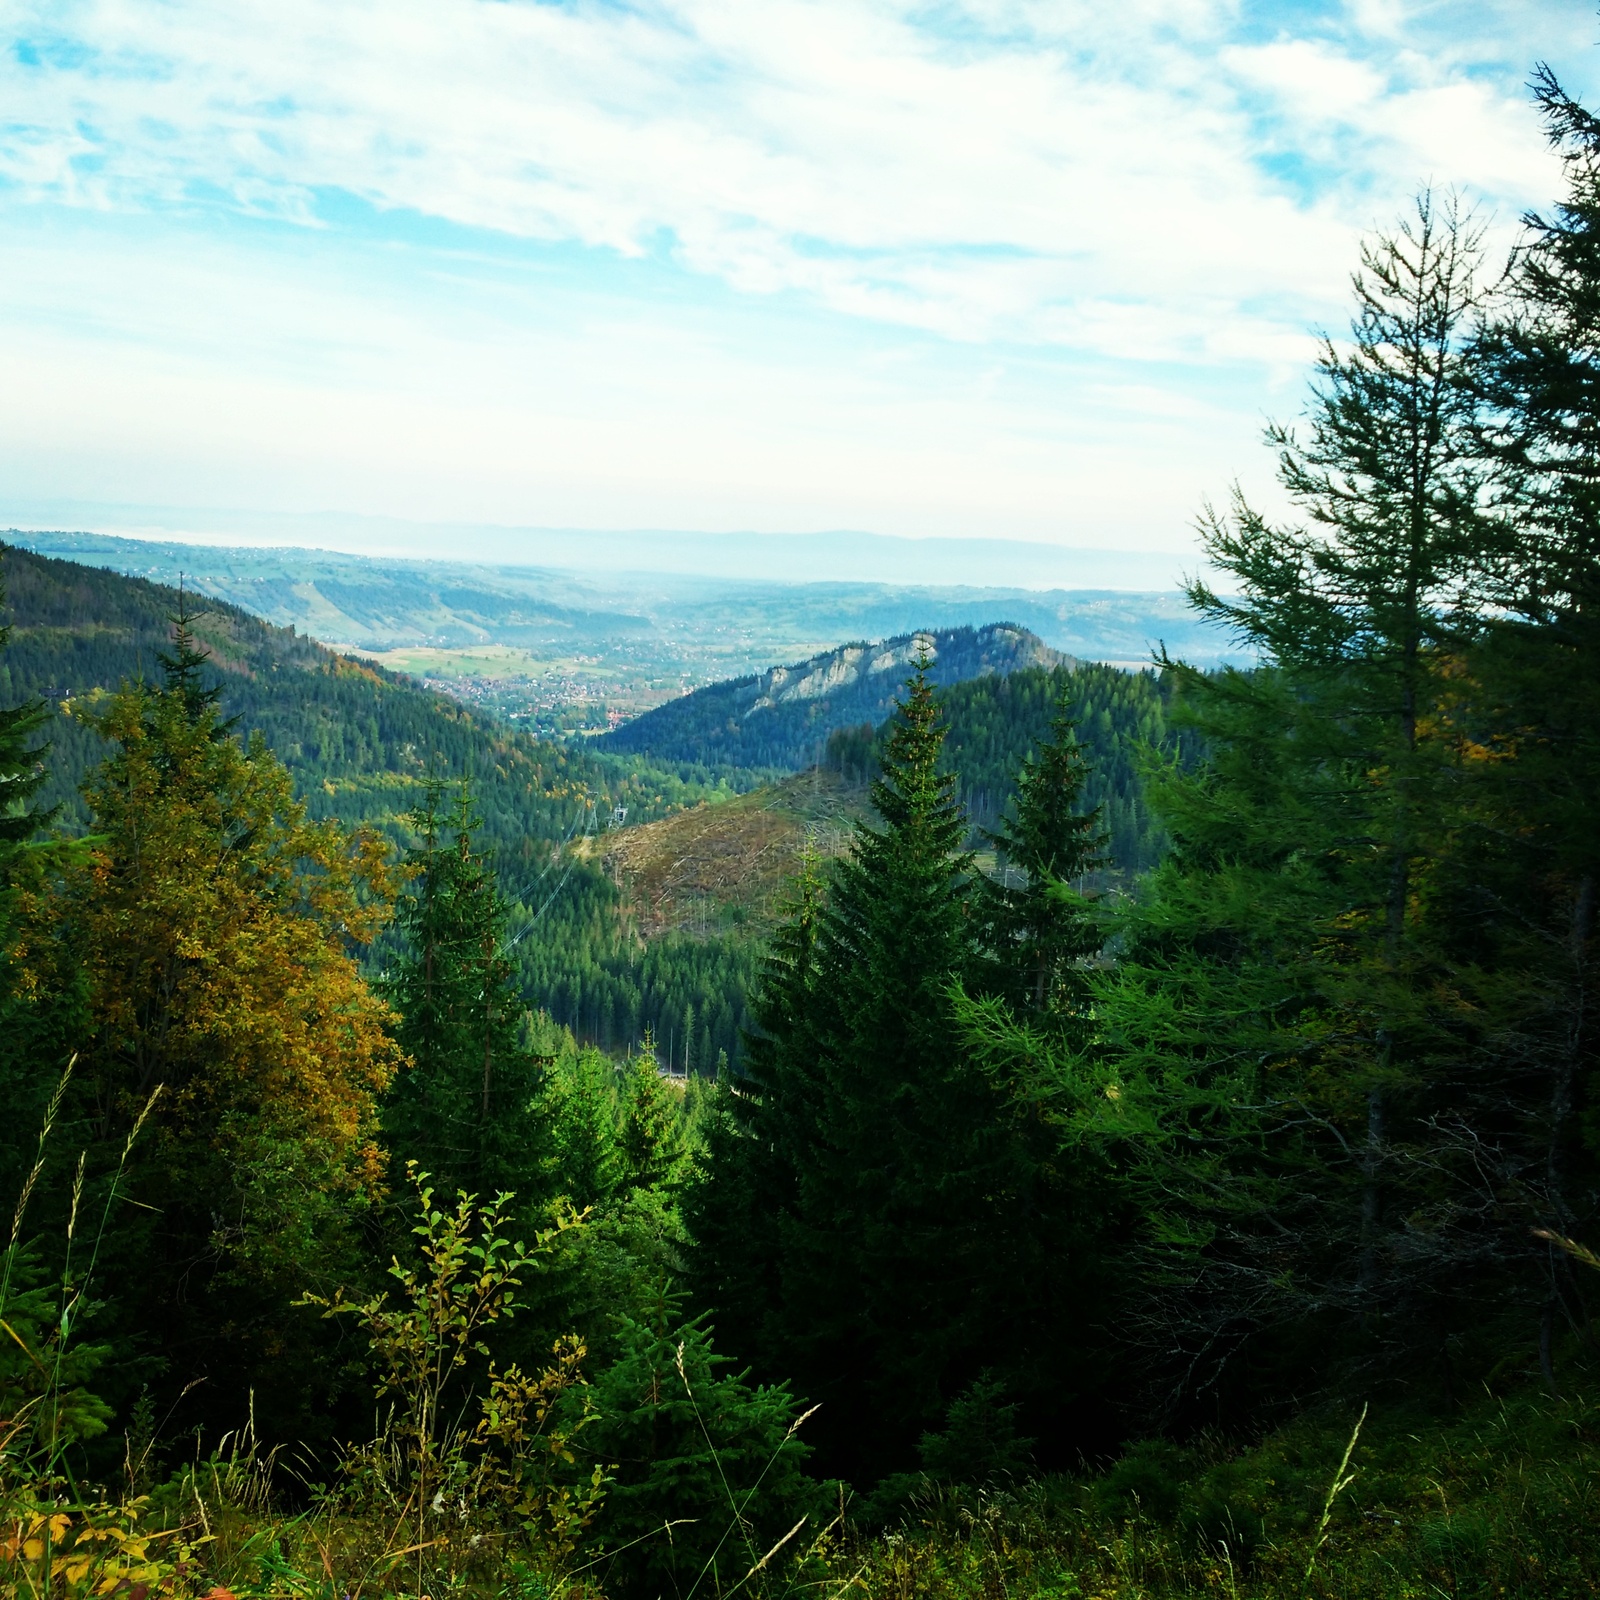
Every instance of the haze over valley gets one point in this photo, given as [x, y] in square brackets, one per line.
[572, 650]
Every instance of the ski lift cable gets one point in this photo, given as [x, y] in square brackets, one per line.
[555, 855]
[549, 899]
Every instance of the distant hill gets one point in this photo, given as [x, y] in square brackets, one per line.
[356, 738]
[356, 600]
[684, 627]
[780, 719]
[993, 723]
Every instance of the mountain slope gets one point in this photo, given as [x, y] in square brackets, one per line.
[721, 870]
[726, 867]
[992, 724]
[358, 741]
[370, 604]
[357, 738]
[781, 718]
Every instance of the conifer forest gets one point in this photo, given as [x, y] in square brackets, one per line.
[1157, 1154]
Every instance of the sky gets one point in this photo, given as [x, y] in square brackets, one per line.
[983, 269]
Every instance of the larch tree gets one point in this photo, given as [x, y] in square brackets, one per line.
[218, 933]
[1532, 706]
[1285, 1008]
[33, 1050]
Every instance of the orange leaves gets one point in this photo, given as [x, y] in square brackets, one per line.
[218, 928]
[95, 1550]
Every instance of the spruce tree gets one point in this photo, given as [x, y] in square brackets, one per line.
[1276, 1046]
[1041, 930]
[467, 1110]
[760, 1131]
[1531, 705]
[908, 1227]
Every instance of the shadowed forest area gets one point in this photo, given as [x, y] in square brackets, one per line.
[1157, 1155]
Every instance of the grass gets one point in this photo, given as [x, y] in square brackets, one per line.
[1501, 1501]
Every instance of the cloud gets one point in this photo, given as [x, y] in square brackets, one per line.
[1064, 171]
[1031, 267]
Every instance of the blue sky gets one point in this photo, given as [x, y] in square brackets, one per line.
[998, 268]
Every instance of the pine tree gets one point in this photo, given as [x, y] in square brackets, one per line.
[1532, 705]
[467, 1110]
[1286, 1012]
[183, 670]
[649, 1141]
[760, 1131]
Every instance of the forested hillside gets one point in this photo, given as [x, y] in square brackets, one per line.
[1121, 719]
[357, 738]
[358, 742]
[780, 720]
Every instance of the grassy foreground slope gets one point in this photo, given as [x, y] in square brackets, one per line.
[1496, 1502]
[1500, 1499]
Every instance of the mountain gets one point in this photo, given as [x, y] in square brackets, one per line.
[993, 723]
[851, 555]
[781, 718]
[691, 628]
[358, 601]
[357, 738]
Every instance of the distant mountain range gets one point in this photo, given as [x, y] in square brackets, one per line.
[695, 627]
[841, 554]
[781, 718]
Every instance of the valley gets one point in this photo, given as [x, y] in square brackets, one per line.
[569, 654]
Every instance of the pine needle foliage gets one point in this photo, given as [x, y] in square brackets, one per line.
[1043, 929]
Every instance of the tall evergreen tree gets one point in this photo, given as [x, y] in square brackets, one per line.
[467, 1108]
[1532, 702]
[1042, 929]
[32, 1050]
[760, 1132]
[1277, 1040]
[910, 1227]
[209, 929]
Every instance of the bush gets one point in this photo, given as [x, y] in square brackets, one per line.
[706, 1470]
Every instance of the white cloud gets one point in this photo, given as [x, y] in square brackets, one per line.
[966, 179]
[1025, 266]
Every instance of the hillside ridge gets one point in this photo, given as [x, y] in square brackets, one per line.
[777, 719]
